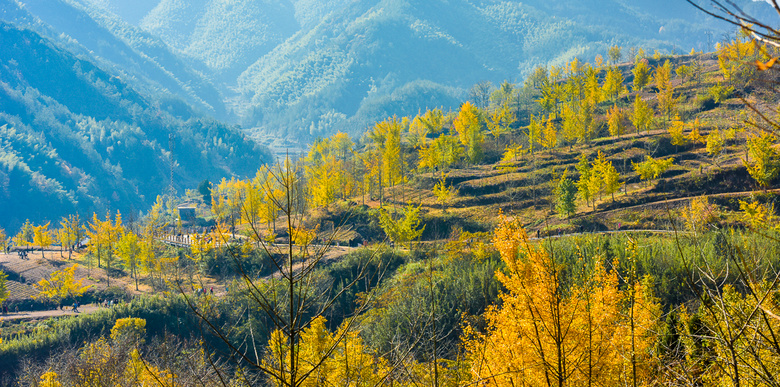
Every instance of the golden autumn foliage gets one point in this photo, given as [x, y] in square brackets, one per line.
[535, 129]
[103, 237]
[3, 288]
[599, 328]
[676, 132]
[386, 136]
[700, 214]
[735, 56]
[129, 250]
[643, 115]
[764, 161]
[550, 139]
[128, 330]
[114, 362]
[714, 144]
[42, 237]
[512, 153]
[303, 236]
[500, 120]
[758, 215]
[615, 120]
[444, 193]
[50, 379]
[695, 134]
[402, 229]
[25, 235]
[327, 170]
[61, 284]
[742, 346]
[641, 73]
[665, 95]
[545, 334]
[652, 168]
[139, 373]
[325, 359]
[71, 232]
[468, 124]
[202, 244]
[613, 84]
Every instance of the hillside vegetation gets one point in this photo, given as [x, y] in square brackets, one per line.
[296, 70]
[144, 61]
[606, 223]
[76, 139]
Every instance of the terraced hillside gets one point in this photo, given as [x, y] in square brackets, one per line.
[525, 185]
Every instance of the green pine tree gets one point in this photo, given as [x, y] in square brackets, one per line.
[565, 194]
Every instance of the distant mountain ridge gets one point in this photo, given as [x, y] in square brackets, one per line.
[77, 139]
[104, 38]
[305, 68]
[351, 64]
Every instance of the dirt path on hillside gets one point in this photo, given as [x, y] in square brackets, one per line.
[41, 314]
[612, 232]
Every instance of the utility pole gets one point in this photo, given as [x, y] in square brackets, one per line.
[171, 146]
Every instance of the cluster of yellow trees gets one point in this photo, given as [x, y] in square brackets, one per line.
[542, 334]
[70, 233]
[338, 168]
[335, 170]
[251, 201]
[604, 327]
[597, 178]
[570, 95]
[60, 285]
[436, 140]
[545, 334]
[115, 361]
[108, 239]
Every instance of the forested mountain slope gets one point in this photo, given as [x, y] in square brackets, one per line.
[75, 138]
[340, 65]
[306, 68]
[146, 62]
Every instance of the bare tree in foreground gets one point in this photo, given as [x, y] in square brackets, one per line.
[294, 297]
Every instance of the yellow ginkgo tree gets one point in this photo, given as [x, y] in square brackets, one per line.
[103, 237]
[327, 359]
[548, 333]
[3, 286]
[71, 233]
[25, 235]
[42, 237]
[444, 193]
[114, 362]
[3, 237]
[60, 285]
[405, 229]
[129, 250]
[764, 162]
